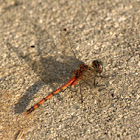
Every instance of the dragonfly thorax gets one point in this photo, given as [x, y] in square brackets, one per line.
[81, 70]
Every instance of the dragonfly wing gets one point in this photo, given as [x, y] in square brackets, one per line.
[68, 50]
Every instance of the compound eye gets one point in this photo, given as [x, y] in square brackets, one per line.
[95, 64]
[98, 66]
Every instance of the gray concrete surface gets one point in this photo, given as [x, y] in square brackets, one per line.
[36, 57]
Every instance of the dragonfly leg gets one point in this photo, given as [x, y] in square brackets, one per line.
[81, 94]
[94, 82]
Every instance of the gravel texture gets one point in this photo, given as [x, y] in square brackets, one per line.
[37, 56]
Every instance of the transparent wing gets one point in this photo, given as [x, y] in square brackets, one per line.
[61, 61]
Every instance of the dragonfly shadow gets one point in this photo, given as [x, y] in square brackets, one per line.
[50, 71]
[20, 106]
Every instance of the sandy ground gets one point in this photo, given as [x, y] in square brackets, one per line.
[37, 56]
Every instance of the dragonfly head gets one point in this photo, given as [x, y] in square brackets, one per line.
[98, 66]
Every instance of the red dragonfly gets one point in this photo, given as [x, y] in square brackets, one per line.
[84, 70]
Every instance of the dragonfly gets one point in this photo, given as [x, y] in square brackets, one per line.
[85, 73]
[94, 70]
